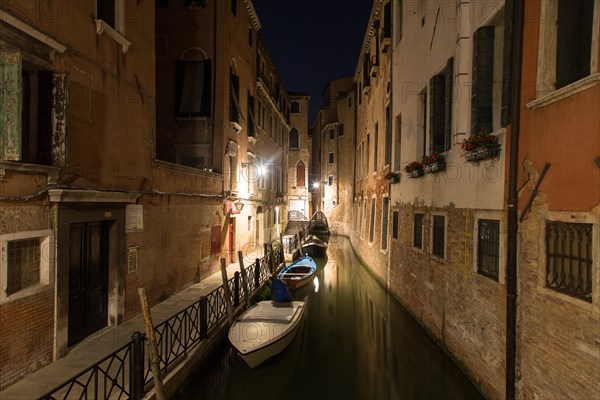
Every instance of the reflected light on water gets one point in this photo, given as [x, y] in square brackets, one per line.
[316, 282]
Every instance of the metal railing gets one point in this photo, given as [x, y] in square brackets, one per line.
[125, 373]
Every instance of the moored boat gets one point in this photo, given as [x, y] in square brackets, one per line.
[313, 246]
[265, 330]
[298, 273]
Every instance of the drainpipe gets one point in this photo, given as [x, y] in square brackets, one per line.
[214, 95]
[512, 202]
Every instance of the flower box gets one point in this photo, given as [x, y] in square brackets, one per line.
[392, 177]
[437, 166]
[482, 152]
[416, 173]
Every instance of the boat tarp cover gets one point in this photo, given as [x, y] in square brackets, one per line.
[280, 291]
[270, 314]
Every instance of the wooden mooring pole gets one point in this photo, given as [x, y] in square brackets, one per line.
[244, 278]
[152, 347]
[227, 291]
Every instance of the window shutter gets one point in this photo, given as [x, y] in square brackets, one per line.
[11, 105]
[449, 101]
[234, 114]
[251, 125]
[60, 106]
[483, 74]
[507, 64]
[436, 114]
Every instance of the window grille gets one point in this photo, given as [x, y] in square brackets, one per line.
[395, 225]
[488, 248]
[439, 231]
[418, 231]
[23, 264]
[384, 222]
[569, 258]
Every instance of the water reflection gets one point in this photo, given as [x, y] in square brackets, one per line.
[356, 342]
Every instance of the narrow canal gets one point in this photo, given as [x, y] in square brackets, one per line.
[356, 342]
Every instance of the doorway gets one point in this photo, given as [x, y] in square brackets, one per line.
[88, 279]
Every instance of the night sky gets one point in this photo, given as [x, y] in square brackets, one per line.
[313, 41]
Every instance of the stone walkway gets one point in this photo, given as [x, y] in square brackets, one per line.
[94, 349]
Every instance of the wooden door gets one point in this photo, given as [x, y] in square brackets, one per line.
[88, 279]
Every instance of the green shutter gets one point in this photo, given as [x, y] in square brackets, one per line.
[483, 80]
[509, 8]
[11, 105]
[60, 107]
[437, 118]
[449, 102]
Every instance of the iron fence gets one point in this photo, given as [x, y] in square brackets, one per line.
[125, 373]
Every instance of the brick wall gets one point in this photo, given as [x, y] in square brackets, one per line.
[559, 335]
[27, 332]
[173, 248]
[462, 310]
[26, 323]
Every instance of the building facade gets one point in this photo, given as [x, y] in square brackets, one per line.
[332, 136]
[373, 145]
[445, 180]
[299, 152]
[131, 155]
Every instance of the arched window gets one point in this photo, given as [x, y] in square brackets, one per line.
[300, 172]
[294, 139]
[295, 106]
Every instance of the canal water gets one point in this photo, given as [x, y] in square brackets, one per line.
[356, 342]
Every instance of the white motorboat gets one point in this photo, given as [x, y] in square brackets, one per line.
[265, 330]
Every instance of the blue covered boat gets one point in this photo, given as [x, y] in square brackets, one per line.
[298, 273]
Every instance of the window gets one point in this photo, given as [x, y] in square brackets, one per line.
[574, 25]
[250, 37]
[395, 226]
[234, 97]
[440, 120]
[27, 98]
[330, 158]
[488, 248]
[561, 63]
[364, 221]
[330, 180]
[341, 130]
[349, 102]
[234, 6]
[192, 88]
[387, 20]
[375, 147]
[106, 11]
[294, 139]
[372, 224]
[397, 143]
[483, 80]
[25, 261]
[439, 233]
[300, 174]
[388, 135]
[250, 223]
[569, 264]
[331, 134]
[384, 223]
[399, 20]
[295, 107]
[418, 231]
[251, 124]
